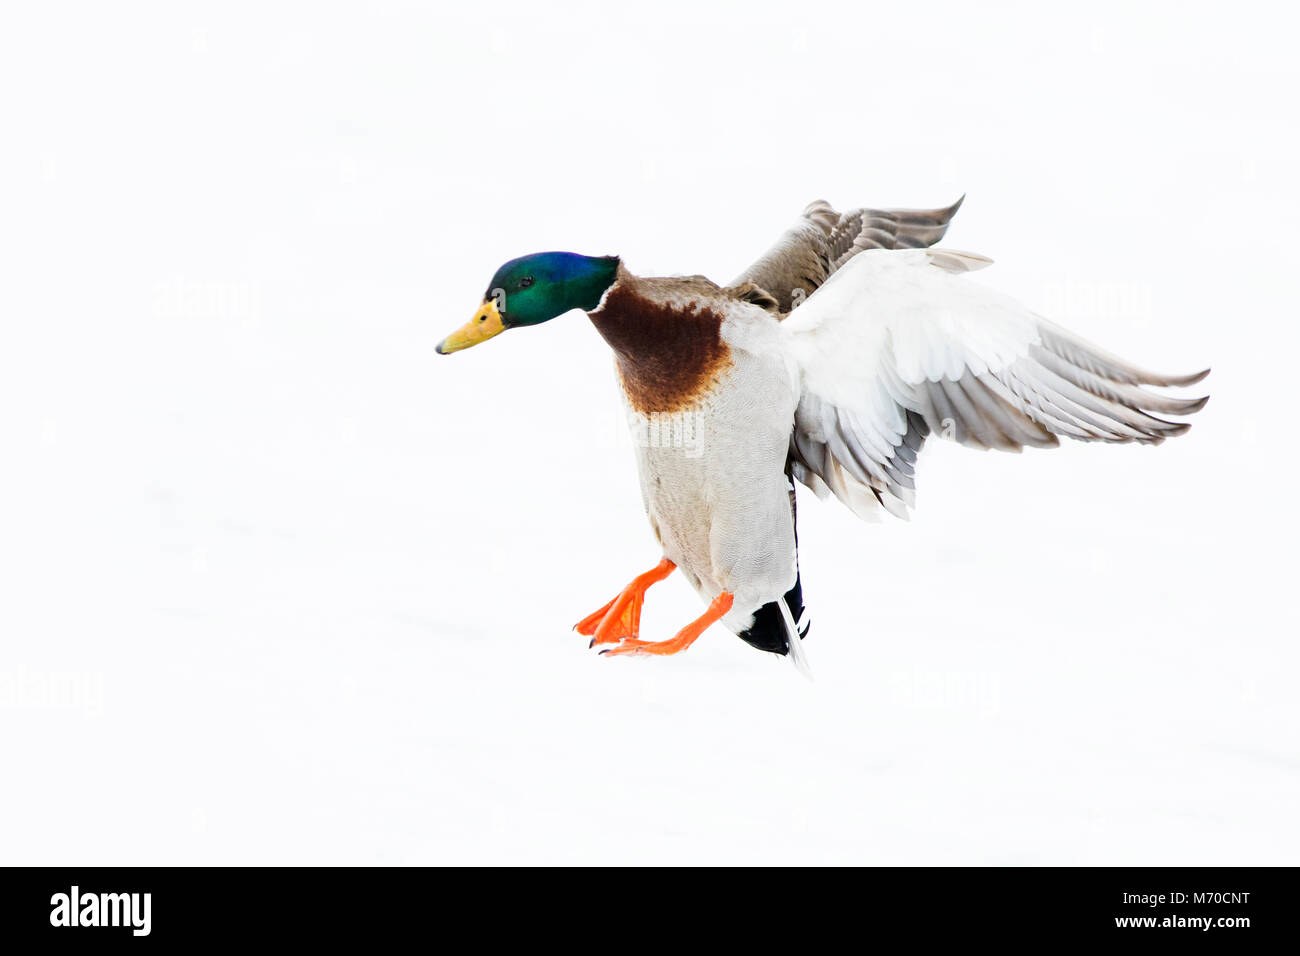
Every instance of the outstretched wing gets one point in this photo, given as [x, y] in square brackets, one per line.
[823, 240]
[897, 345]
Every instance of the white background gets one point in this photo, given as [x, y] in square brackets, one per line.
[279, 584]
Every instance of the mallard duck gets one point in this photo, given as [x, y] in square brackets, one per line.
[828, 362]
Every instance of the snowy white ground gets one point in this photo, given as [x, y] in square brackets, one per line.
[281, 585]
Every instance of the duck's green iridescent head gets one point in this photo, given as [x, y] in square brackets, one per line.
[532, 289]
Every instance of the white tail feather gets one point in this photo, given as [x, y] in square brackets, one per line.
[797, 656]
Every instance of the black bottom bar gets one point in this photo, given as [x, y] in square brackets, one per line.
[377, 906]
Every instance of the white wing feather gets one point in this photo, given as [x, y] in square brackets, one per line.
[897, 344]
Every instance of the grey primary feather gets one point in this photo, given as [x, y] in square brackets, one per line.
[1030, 402]
[823, 240]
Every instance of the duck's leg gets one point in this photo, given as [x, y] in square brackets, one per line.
[621, 617]
[685, 637]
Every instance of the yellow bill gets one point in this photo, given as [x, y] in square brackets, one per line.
[485, 324]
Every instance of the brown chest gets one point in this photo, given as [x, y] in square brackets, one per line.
[669, 356]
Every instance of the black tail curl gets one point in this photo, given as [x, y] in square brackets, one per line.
[768, 633]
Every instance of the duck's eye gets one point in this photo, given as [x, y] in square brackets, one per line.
[525, 282]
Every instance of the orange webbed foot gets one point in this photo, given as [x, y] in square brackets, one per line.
[621, 618]
[685, 637]
[587, 626]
